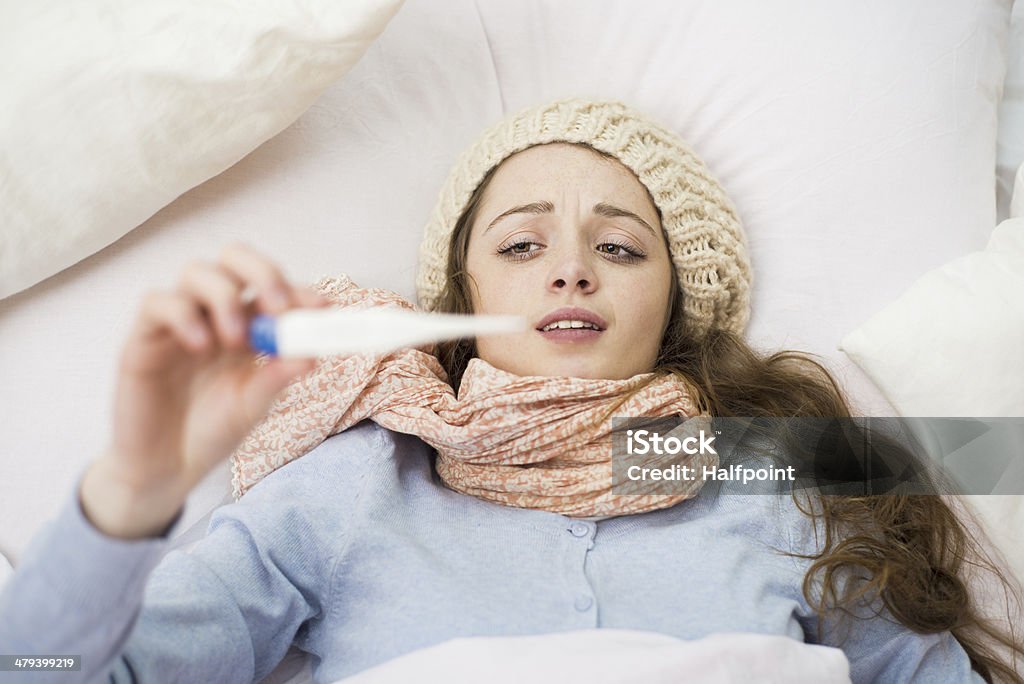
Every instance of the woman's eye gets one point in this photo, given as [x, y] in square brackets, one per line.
[620, 252]
[520, 249]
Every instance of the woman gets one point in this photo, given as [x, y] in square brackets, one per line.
[579, 215]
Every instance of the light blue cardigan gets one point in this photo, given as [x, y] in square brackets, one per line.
[359, 554]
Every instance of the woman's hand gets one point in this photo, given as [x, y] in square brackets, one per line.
[188, 390]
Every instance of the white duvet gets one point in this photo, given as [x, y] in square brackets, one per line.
[611, 656]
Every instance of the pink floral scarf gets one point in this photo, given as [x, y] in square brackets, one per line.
[526, 441]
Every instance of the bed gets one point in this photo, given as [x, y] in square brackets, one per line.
[867, 147]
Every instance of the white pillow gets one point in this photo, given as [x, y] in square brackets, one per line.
[109, 110]
[953, 344]
[846, 145]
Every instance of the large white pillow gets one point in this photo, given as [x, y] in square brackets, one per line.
[857, 139]
[109, 109]
[953, 344]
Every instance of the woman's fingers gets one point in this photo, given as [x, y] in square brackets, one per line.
[214, 301]
[218, 293]
[274, 294]
[170, 312]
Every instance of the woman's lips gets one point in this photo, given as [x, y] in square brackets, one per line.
[568, 335]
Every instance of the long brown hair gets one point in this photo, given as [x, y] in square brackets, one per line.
[918, 553]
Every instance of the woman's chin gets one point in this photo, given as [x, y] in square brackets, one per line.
[579, 363]
[569, 368]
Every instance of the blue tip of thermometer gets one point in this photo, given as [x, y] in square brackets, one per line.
[304, 333]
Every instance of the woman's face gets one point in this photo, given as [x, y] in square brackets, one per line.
[561, 235]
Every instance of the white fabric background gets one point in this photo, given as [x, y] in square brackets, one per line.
[857, 140]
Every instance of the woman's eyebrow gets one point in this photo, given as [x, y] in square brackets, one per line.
[611, 211]
[601, 209]
[532, 208]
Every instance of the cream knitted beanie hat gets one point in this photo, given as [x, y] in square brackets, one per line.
[705, 238]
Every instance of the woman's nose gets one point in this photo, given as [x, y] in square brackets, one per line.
[572, 271]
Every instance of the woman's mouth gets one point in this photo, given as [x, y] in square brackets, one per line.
[570, 331]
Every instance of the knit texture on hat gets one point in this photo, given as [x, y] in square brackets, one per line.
[705, 238]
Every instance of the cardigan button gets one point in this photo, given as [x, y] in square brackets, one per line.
[583, 603]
